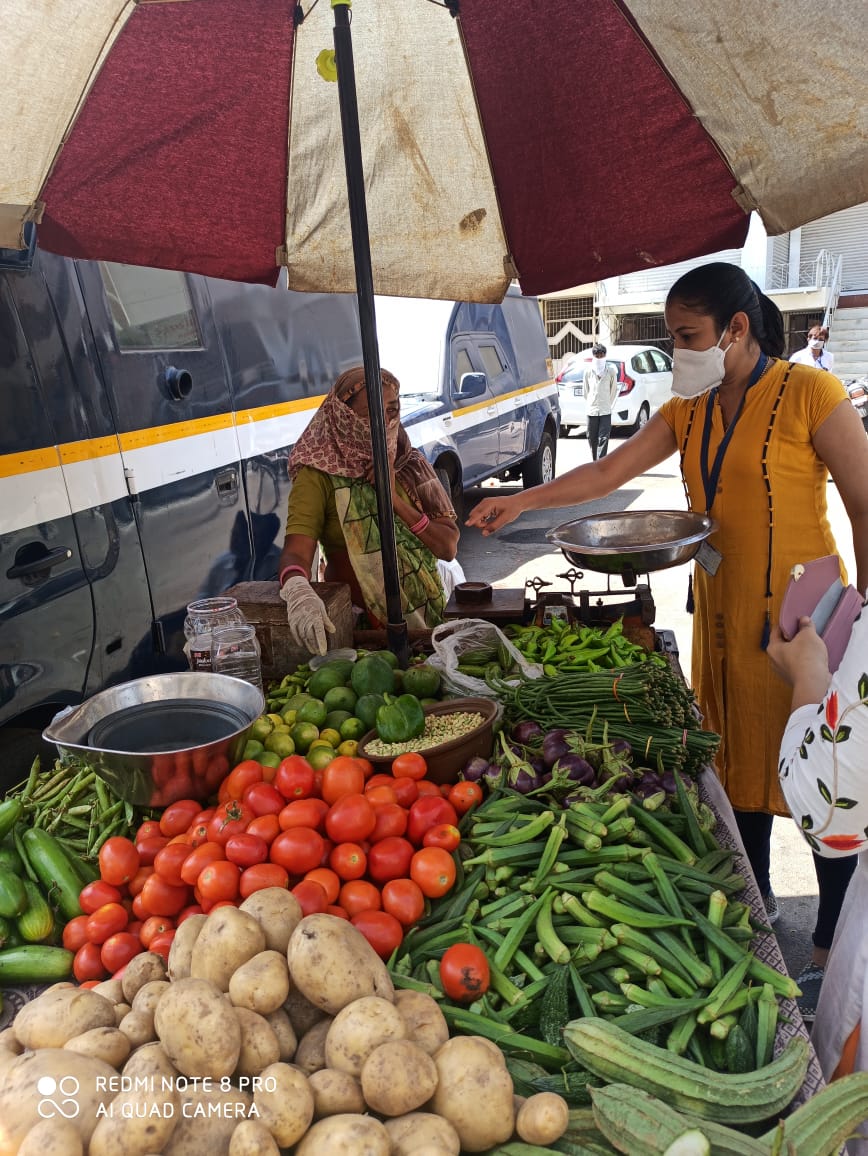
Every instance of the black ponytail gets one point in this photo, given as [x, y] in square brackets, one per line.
[720, 290]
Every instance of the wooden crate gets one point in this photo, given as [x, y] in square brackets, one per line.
[262, 606]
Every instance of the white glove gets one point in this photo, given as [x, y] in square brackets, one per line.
[306, 615]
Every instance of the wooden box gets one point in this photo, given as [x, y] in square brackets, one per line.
[262, 606]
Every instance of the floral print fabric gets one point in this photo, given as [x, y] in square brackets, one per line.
[823, 768]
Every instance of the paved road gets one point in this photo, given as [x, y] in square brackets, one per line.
[521, 552]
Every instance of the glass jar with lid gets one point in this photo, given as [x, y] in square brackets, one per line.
[203, 616]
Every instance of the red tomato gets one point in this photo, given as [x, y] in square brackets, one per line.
[147, 830]
[379, 780]
[380, 794]
[137, 882]
[359, 895]
[260, 876]
[75, 933]
[350, 819]
[406, 792]
[424, 787]
[337, 911]
[230, 818]
[304, 813]
[267, 827]
[329, 880]
[348, 861]
[464, 972]
[119, 949]
[86, 963]
[218, 881]
[186, 912]
[161, 898]
[264, 799]
[434, 870]
[410, 765]
[94, 895]
[148, 848]
[429, 811]
[389, 859]
[404, 899]
[391, 820]
[243, 776]
[298, 849]
[342, 776]
[161, 944]
[169, 861]
[294, 778]
[154, 925]
[465, 795]
[246, 850]
[445, 835]
[138, 908]
[198, 860]
[311, 896]
[177, 817]
[382, 931]
[105, 921]
[118, 860]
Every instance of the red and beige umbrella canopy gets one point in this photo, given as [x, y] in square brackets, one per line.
[559, 141]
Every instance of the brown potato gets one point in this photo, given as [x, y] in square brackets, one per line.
[278, 912]
[198, 1028]
[139, 1123]
[208, 1119]
[280, 1024]
[138, 1027]
[543, 1118]
[52, 1138]
[358, 1028]
[335, 1092]
[148, 995]
[142, 969]
[474, 1093]
[110, 988]
[262, 983]
[332, 964]
[229, 937]
[60, 1013]
[302, 1013]
[310, 1053]
[418, 1131]
[181, 951]
[346, 1135]
[398, 1077]
[252, 1138]
[259, 1045]
[284, 1103]
[151, 1062]
[107, 1044]
[426, 1024]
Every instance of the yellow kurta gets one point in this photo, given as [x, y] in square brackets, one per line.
[738, 692]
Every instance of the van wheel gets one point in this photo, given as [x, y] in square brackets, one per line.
[453, 488]
[541, 467]
[641, 418]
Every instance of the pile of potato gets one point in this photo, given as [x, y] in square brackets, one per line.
[265, 1033]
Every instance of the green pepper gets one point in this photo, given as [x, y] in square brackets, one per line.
[400, 719]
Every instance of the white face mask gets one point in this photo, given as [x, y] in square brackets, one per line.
[816, 343]
[599, 364]
[696, 371]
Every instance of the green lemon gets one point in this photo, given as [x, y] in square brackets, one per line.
[331, 675]
[341, 698]
[262, 728]
[335, 718]
[269, 759]
[303, 734]
[253, 748]
[290, 717]
[320, 756]
[353, 728]
[331, 736]
[280, 743]
[387, 656]
[297, 701]
[349, 747]
[315, 712]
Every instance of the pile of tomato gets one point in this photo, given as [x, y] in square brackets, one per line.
[371, 848]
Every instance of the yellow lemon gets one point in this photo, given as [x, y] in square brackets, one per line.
[275, 718]
[349, 747]
[261, 728]
[290, 717]
[303, 734]
[320, 756]
[353, 728]
[252, 749]
[331, 736]
[281, 743]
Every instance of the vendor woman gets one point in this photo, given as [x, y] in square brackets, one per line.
[333, 504]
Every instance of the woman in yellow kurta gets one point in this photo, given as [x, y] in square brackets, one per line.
[758, 438]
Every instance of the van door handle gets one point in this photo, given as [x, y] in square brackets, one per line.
[492, 409]
[227, 483]
[37, 565]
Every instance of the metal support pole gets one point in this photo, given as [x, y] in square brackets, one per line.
[396, 626]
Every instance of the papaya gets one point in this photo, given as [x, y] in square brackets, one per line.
[371, 675]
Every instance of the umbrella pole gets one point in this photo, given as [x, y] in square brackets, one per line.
[396, 626]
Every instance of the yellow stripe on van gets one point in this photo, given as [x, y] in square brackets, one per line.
[466, 409]
[283, 409]
[28, 462]
[87, 450]
[160, 434]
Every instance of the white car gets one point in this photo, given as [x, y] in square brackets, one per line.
[645, 377]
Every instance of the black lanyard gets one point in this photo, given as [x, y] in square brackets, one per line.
[711, 475]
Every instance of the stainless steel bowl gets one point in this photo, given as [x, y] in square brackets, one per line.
[158, 739]
[632, 541]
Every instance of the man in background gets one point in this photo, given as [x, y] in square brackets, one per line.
[601, 389]
[815, 352]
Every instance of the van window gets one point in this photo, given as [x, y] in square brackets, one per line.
[150, 308]
[463, 365]
[491, 362]
[19, 389]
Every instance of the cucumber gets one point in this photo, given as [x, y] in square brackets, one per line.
[54, 870]
[34, 963]
[36, 922]
[10, 860]
[5, 932]
[10, 812]
[13, 897]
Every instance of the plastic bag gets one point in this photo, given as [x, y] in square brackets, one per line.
[454, 639]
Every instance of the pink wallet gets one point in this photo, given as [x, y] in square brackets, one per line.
[816, 589]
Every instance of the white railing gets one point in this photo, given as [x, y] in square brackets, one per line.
[834, 293]
[821, 273]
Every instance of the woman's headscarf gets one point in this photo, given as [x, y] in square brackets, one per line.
[338, 442]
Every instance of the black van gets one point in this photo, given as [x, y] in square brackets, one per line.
[146, 418]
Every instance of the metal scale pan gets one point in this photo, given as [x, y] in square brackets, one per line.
[633, 541]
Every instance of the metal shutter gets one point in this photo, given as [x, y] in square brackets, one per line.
[845, 233]
[660, 280]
